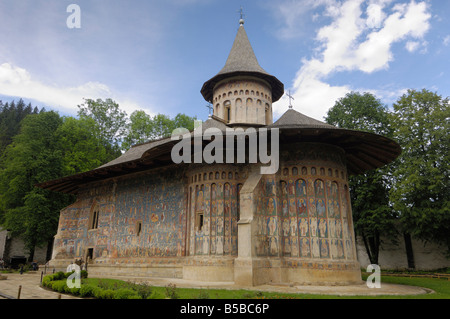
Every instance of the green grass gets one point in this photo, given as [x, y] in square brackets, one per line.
[113, 288]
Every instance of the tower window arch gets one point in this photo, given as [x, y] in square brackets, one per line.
[227, 105]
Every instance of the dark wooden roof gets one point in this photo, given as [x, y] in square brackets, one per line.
[364, 151]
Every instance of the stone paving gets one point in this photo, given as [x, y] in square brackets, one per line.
[31, 288]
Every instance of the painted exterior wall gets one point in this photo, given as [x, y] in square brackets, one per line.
[155, 201]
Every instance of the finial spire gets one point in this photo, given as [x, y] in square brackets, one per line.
[290, 98]
[241, 20]
[210, 107]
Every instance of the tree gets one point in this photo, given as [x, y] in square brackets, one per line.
[373, 215]
[110, 122]
[11, 115]
[421, 124]
[31, 158]
[143, 127]
[81, 149]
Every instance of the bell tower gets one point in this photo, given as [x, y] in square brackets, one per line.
[242, 92]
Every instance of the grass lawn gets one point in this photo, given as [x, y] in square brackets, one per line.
[440, 286]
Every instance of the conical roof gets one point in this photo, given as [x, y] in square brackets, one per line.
[242, 61]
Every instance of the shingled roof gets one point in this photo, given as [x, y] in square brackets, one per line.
[294, 118]
[242, 61]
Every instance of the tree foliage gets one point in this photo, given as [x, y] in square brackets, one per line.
[109, 122]
[421, 124]
[11, 114]
[31, 158]
[143, 127]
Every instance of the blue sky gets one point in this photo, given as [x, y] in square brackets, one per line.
[156, 55]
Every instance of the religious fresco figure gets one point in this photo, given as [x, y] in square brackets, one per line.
[272, 226]
[300, 187]
[285, 226]
[332, 227]
[336, 210]
[330, 209]
[313, 227]
[303, 227]
[285, 208]
[293, 225]
[315, 248]
[320, 207]
[319, 188]
[270, 206]
[292, 206]
[324, 250]
[322, 227]
[213, 192]
[227, 190]
[302, 208]
[305, 250]
[291, 188]
[312, 207]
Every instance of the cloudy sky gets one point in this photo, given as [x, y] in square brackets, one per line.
[155, 55]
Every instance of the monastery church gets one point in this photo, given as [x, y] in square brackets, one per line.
[142, 215]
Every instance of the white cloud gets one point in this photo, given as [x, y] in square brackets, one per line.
[447, 40]
[412, 46]
[16, 81]
[355, 41]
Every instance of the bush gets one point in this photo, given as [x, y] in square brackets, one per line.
[144, 290]
[46, 281]
[107, 294]
[59, 276]
[74, 291]
[125, 293]
[171, 291]
[87, 291]
[59, 286]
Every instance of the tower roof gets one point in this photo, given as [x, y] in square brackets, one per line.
[242, 61]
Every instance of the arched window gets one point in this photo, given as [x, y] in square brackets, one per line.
[227, 105]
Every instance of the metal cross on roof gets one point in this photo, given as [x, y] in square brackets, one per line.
[290, 98]
[241, 12]
[210, 107]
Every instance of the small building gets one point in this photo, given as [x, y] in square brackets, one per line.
[144, 215]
